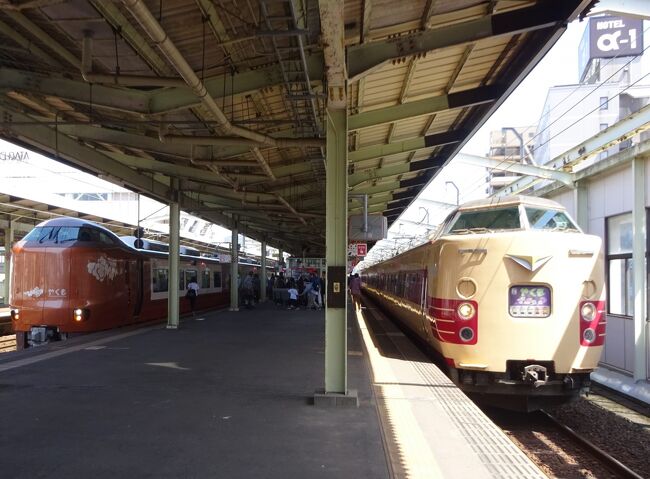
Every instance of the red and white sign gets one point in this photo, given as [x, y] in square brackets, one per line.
[357, 249]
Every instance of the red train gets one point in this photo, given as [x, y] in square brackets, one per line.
[73, 276]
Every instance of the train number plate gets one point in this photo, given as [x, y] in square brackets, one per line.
[529, 301]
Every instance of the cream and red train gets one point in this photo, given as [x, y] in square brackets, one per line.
[73, 276]
[510, 293]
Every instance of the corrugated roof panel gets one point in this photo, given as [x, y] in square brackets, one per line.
[410, 128]
[373, 136]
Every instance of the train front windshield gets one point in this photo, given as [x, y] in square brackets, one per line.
[64, 234]
[510, 218]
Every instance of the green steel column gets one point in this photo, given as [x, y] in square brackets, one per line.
[581, 198]
[280, 258]
[639, 270]
[174, 261]
[336, 234]
[234, 268]
[9, 239]
[263, 272]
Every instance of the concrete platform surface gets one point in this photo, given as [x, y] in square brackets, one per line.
[228, 395]
[639, 390]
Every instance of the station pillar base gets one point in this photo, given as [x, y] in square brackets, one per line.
[326, 400]
[172, 326]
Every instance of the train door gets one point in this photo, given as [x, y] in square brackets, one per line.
[134, 280]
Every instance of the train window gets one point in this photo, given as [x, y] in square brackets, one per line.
[216, 279]
[543, 219]
[105, 239]
[205, 278]
[486, 220]
[160, 280]
[620, 269]
[39, 234]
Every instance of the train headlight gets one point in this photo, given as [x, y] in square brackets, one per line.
[589, 335]
[15, 314]
[465, 311]
[80, 314]
[588, 311]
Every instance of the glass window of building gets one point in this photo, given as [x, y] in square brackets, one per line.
[604, 103]
[620, 284]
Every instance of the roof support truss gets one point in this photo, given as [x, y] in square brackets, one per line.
[365, 58]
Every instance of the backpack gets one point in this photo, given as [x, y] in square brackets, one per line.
[191, 293]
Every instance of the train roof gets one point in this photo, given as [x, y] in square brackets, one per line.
[511, 200]
[74, 222]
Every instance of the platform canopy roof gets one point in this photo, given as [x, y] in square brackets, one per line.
[220, 104]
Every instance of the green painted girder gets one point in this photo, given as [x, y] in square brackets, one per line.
[167, 169]
[118, 99]
[172, 99]
[365, 58]
[393, 170]
[426, 106]
[406, 146]
[380, 188]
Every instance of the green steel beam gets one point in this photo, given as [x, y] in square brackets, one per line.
[426, 106]
[336, 250]
[240, 83]
[356, 179]
[365, 58]
[168, 169]
[118, 99]
[380, 188]
[28, 45]
[405, 146]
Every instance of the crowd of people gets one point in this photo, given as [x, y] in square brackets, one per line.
[307, 291]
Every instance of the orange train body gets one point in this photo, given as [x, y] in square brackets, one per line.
[67, 266]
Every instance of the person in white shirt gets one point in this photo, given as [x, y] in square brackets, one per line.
[293, 297]
[192, 293]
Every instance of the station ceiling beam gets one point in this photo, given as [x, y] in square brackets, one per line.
[426, 106]
[365, 58]
[394, 170]
[406, 146]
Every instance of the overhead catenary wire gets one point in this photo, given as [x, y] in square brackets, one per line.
[480, 183]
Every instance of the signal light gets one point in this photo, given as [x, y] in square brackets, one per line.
[15, 314]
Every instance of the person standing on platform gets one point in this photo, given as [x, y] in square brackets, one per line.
[247, 288]
[355, 290]
[192, 293]
[293, 297]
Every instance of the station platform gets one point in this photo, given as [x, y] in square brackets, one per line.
[230, 394]
[622, 383]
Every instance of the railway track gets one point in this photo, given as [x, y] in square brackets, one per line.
[559, 450]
